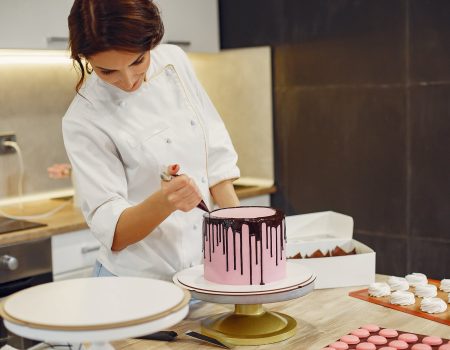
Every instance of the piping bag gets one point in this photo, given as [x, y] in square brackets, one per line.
[167, 177]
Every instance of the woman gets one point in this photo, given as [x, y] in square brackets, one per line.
[142, 112]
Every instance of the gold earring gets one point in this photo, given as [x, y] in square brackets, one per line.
[88, 68]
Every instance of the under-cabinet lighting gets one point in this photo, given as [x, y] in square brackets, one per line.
[34, 57]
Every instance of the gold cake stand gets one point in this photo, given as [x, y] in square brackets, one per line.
[250, 323]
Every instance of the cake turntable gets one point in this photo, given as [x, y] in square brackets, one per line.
[249, 323]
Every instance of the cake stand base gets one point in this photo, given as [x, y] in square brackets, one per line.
[249, 324]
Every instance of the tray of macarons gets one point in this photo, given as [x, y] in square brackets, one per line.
[374, 337]
[414, 294]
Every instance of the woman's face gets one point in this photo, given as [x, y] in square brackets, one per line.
[125, 70]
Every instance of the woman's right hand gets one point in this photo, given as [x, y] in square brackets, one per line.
[180, 192]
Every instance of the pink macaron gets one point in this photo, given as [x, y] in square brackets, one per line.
[421, 347]
[387, 348]
[327, 348]
[377, 340]
[371, 327]
[366, 346]
[399, 344]
[361, 333]
[408, 337]
[350, 339]
[339, 345]
[388, 333]
[432, 341]
[445, 347]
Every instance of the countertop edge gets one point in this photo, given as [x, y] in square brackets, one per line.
[70, 219]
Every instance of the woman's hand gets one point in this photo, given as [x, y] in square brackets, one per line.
[135, 223]
[59, 171]
[180, 192]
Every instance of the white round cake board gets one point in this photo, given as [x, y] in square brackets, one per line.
[274, 297]
[193, 278]
[93, 302]
[272, 291]
[99, 335]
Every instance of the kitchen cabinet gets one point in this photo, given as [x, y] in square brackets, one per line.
[73, 254]
[34, 24]
[191, 24]
[31, 24]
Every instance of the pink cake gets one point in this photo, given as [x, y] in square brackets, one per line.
[244, 245]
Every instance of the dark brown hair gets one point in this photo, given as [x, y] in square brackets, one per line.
[101, 25]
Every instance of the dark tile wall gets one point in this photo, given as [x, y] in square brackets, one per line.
[346, 149]
[361, 117]
[396, 250]
[251, 23]
[430, 162]
[430, 40]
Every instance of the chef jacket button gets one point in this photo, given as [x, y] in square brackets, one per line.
[168, 140]
[203, 179]
[194, 227]
[122, 103]
[193, 122]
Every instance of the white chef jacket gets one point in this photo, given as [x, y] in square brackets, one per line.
[118, 144]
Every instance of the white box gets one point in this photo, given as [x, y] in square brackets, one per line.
[325, 230]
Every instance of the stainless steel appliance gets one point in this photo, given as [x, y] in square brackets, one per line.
[23, 265]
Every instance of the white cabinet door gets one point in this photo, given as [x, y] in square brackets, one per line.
[73, 254]
[191, 24]
[81, 273]
[34, 24]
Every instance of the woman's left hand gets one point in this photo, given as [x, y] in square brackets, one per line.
[59, 171]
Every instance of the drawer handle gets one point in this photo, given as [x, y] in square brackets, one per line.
[57, 39]
[94, 248]
[9, 262]
[179, 42]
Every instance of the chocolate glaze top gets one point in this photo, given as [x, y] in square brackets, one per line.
[277, 217]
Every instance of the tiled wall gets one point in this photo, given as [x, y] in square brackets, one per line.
[34, 97]
[362, 117]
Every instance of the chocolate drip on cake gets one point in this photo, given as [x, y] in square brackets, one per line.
[203, 240]
[215, 232]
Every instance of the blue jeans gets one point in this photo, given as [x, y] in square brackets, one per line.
[100, 270]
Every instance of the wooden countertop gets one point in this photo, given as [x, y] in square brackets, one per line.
[322, 316]
[253, 191]
[70, 218]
